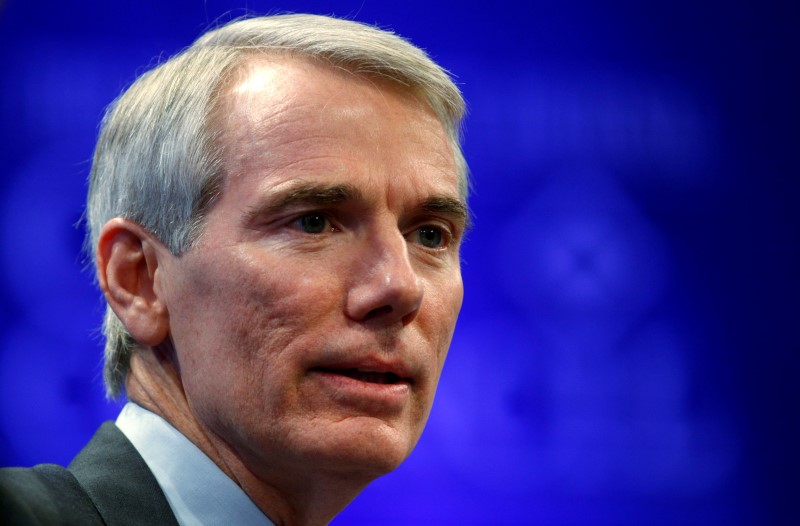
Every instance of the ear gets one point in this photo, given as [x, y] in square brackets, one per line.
[128, 270]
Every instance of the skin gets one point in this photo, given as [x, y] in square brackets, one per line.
[333, 247]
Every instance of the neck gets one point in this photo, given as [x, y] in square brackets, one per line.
[287, 497]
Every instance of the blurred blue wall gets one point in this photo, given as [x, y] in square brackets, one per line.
[627, 352]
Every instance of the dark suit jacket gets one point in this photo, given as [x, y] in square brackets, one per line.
[108, 483]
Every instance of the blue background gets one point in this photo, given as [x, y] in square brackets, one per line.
[627, 353]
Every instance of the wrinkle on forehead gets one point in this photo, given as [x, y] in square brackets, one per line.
[267, 120]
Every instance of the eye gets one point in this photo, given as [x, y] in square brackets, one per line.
[431, 237]
[313, 223]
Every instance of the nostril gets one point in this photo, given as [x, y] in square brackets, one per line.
[380, 311]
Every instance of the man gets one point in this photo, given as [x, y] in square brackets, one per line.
[275, 216]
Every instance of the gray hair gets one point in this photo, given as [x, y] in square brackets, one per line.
[156, 162]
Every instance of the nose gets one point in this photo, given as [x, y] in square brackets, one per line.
[385, 289]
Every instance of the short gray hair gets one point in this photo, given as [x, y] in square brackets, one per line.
[156, 162]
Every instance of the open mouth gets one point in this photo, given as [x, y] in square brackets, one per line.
[372, 377]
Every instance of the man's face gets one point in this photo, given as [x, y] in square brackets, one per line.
[312, 318]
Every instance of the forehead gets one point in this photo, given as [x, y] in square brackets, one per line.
[276, 112]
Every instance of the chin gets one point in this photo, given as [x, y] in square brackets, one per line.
[372, 450]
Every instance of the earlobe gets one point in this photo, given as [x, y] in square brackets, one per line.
[128, 270]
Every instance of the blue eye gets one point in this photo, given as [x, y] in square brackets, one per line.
[314, 223]
[431, 237]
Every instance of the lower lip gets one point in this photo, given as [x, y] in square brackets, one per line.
[369, 396]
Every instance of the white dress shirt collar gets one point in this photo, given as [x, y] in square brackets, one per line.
[199, 493]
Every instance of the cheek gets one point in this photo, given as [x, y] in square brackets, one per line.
[437, 322]
[252, 327]
[444, 306]
[271, 314]
[248, 298]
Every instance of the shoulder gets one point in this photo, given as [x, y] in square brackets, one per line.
[45, 494]
[119, 483]
[107, 483]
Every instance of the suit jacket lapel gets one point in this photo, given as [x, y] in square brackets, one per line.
[119, 482]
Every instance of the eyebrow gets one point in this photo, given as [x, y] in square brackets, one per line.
[447, 206]
[304, 193]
